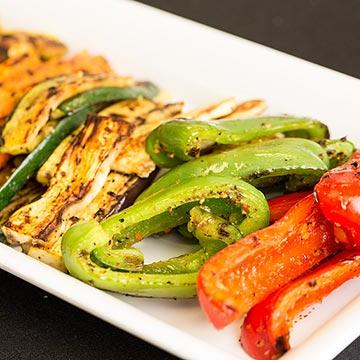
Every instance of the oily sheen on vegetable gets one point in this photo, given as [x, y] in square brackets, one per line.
[214, 224]
[296, 162]
[80, 144]
[182, 139]
[170, 208]
[245, 273]
[266, 329]
[338, 193]
[65, 127]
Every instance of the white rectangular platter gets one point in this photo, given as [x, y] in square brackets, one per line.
[197, 64]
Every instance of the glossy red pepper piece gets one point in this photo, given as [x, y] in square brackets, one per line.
[231, 282]
[265, 331]
[281, 204]
[338, 194]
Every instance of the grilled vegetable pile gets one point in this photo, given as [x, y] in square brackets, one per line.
[81, 146]
[66, 128]
[215, 195]
[73, 135]
[284, 258]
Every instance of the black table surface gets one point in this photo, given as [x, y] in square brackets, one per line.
[37, 325]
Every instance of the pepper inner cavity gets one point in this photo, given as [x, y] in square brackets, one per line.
[225, 211]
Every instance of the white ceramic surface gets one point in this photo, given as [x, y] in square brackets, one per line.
[197, 64]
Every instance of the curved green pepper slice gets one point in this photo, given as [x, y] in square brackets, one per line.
[182, 140]
[241, 205]
[299, 162]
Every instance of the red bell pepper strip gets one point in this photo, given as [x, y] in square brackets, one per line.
[280, 205]
[244, 273]
[338, 194]
[265, 331]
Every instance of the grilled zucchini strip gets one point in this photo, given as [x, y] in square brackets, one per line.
[228, 109]
[215, 110]
[118, 192]
[107, 200]
[25, 196]
[132, 159]
[33, 161]
[247, 109]
[48, 169]
[21, 132]
[80, 176]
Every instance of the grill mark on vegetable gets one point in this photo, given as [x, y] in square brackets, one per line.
[45, 232]
[280, 345]
[222, 230]
[194, 152]
[49, 42]
[52, 91]
[141, 164]
[19, 59]
[8, 37]
[139, 121]
[3, 53]
[77, 195]
[53, 95]
[132, 192]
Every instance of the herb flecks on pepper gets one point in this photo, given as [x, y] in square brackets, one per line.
[183, 140]
[298, 162]
[246, 272]
[238, 202]
[214, 217]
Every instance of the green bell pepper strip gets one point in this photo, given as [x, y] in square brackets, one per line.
[182, 140]
[171, 208]
[108, 94]
[40, 154]
[300, 162]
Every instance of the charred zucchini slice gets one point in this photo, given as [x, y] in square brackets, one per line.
[81, 174]
[34, 161]
[21, 133]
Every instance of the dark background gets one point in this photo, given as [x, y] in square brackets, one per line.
[35, 325]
